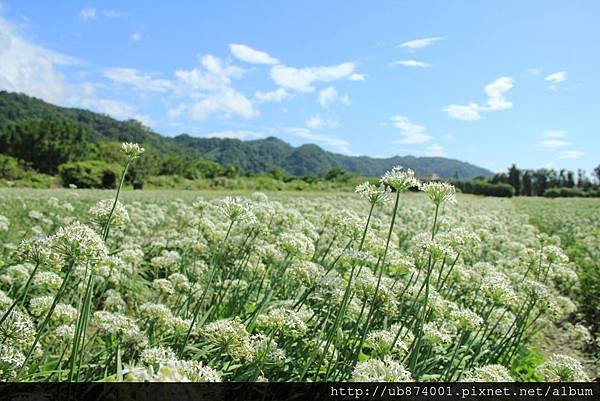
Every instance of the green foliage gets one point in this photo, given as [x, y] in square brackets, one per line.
[90, 174]
[576, 222]
[564, 193]
[525, 364]
[11, 168]
[45, 144]
[478, 187]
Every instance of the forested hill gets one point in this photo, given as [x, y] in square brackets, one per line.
[19, 113]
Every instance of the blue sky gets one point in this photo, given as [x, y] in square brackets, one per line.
[488, 82]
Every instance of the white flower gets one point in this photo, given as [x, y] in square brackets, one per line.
[376, 370]
[101, 211]
[132, 150]
[562, 368]
[375, 195]
[439, 192]
[399, 180]
[236, 210]
[489, 373]
[78, 243]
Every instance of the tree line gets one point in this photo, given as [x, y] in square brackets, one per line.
[546, 182]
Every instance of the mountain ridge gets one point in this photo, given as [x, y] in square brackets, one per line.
[251, 157]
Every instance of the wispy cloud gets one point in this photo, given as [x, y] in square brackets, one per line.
[496, 101]
[303, 79]
[411, 63]
[87, 13]
[420, 43]
[114, 14]
[570, 154]
[250, 55]
[435, 150]
[275, 96]
[410, 133]
[357, 77]
[236, 134]
[317, 122]
[136, 37]
[329, 96]
[138, 80]
[556, 78]
[337, 144]
[31, 69]
[554, 143]
[467, 112]
[554, 139]
[555, 134]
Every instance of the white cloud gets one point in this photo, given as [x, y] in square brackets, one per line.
[357, 77]
[114, 108]
[316, 122]
[139, 81]
[226, 103]
[534, 71]
[420, 43]
[410, 63]
[410, 133]
[214, 75]
[555, 134]
[113, 14]
[88, 13]
[557, 77]
[495, 101]
[496, 91]
[31, 69]
[570, 154]
[250, 55]
[435, 150]
[329, 96]
[554, 139]
[236, 134]
[338, 144]
[554, 143]
[176, 112]
[468, 112]
[212, 85]
[136, 37]
[275, 96]
[302, 79]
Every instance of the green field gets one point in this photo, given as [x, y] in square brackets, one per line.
[289, 286]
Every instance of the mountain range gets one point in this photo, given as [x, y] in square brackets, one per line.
[253, 156]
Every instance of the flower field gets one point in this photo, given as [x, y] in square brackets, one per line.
[379, 285]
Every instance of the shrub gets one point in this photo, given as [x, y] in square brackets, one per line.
[89, 174]
[564, 193]
[11, 168]
[480, 187]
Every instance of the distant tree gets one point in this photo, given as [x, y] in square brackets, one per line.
[527, 185]
[514, 178]
[597, 174]
[45, 143]
[277, 173]
[499, 178]
[570, 182]
[541, 181]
